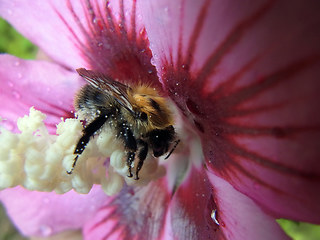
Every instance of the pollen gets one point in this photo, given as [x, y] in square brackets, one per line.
[38, 160]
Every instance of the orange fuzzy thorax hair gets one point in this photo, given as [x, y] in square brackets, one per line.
[147, 99]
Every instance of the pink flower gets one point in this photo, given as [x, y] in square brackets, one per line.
[244, 75]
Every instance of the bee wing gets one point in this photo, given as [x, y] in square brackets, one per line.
[116, 89]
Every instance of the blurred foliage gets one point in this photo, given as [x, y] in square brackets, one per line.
[14, 43]
[7, 230]
[300, 230]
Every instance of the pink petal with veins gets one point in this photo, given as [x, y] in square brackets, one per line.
[191, 207]
[106, 37]
[40, 22]
[210, 208]
[239, 217]
[116, 43]
[46, 86]
[44, 214]
[135, 213]
[246, 76]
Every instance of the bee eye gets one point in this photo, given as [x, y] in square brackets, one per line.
[143, 116]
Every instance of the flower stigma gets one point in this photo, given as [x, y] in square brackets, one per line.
[39, 161]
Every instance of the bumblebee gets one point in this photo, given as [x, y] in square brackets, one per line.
[138, 115]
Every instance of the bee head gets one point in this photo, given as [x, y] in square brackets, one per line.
[150, 108]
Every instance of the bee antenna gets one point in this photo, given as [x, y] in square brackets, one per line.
[174, 147]
[73, 165]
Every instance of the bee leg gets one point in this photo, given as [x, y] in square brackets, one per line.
[130, 144]
[142, 156]
[81, 145]
[130, 159]
[88, 131]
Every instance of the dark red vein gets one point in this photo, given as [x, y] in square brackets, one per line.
[229, 42]
[180, 46]
[248, 92]
[196, 33]
[133, 22]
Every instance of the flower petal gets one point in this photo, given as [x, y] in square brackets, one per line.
[46, 86]
[104, 36]
[191, 207]
[239, 217]
[44, 214]
[41, 23]
[246, 76]
[136, 213]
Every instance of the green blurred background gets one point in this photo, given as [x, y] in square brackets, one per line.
[13, 43]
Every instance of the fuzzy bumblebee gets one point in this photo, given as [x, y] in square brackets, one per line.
[139, 116]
